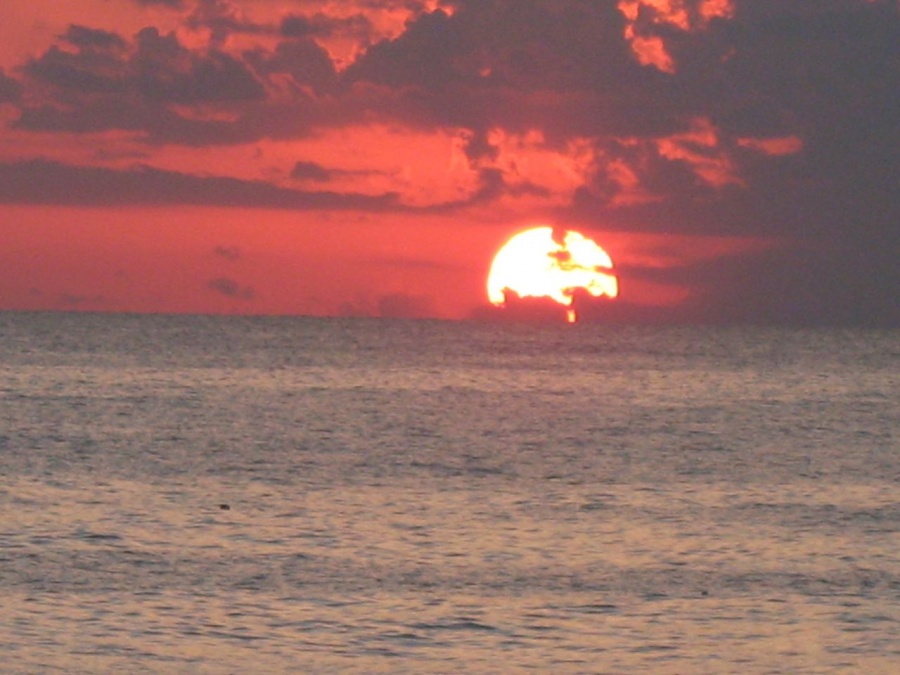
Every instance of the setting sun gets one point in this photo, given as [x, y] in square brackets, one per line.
[537, 263]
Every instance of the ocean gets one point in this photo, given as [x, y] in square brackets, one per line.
[185, 494]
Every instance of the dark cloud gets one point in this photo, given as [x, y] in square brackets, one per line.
[48, 182]
[778, 71]
[492, 185]
[804, 282]
[229, 253]
[221, 18]
[173, 4]
[358, 26]
[468, 70]
[532, 46]
[10, 89]
[156, 68]
[145, 86]
[98, 64]
[167, 71]
[304, 60]
[158, 123]
[92, 38]
[231, 288]
[562, 67]
[311, 171]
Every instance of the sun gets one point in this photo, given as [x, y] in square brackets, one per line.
[538, 263]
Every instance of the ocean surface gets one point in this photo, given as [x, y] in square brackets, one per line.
[262, 495]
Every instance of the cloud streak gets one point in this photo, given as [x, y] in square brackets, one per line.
[48, 182]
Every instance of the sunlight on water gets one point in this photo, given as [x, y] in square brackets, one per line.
[231, 495]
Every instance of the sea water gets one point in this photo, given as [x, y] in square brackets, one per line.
[273, 495]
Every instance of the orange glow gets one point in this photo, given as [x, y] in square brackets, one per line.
[651, 50]
[774, 147]
[700, 149]
[536, 264]
[717, 9]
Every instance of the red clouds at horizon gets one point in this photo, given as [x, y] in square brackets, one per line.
[737, 159]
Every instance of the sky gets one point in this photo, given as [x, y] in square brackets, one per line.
[738, 159]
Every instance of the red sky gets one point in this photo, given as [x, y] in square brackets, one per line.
[737, 158]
